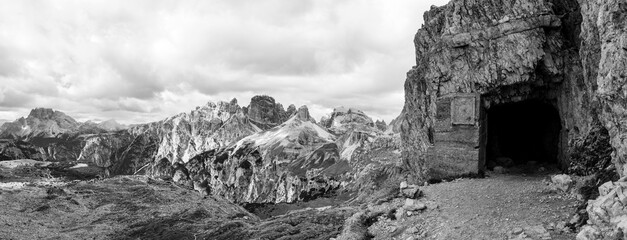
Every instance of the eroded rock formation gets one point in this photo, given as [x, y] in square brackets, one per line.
[500, 52]
[476, 56]
[343, 119]
[265, 112]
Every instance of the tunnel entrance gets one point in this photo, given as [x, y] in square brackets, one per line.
[522, 133]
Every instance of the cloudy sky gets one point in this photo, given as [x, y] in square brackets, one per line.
[143, 60]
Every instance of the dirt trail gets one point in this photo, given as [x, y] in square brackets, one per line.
[489, 208]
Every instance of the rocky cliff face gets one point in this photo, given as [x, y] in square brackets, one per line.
[604, 57]
[220, 150]
[176, 139]
[569, 54]
[343, 119]
[604, 54]
[297, 160]
[395, 124]
[265, 112]
[501, 52]
[294, 161]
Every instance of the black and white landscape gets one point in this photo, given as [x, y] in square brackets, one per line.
[313, 119]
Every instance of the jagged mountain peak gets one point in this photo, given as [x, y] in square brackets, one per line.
[41, 122]
[303, 114]
[265, 112]
[344, 119]
[49, 114]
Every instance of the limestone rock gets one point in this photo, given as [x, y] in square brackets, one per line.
[41, 122]
[343, 119]
[414, 205]
[562, 182]
[607, 213]
[290, 111]
[518, 51]
[395, 124]
[265, 112]
[410, 191]
[381, 125]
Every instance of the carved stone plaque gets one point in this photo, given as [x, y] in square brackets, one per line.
[463, 110]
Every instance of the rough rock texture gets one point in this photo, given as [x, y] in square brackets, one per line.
[604, 54]
[381, 125]
[395, 124]
[177, 139]
[567, 53]
[607, 219]
[343, 119]
[504, 51]
[265, 112]
[290, 111]
[220, 150]
[53, 135]
[296, 160]
[11, 150]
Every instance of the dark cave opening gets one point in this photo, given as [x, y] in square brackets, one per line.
[522, 133]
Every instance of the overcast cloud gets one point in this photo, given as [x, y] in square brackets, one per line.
[140, 61]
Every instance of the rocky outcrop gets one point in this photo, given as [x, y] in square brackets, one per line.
[143, 148]
[343, 119]
[604, 54]
[218, 149]
[607, 219]
[570, 54]
[294, 161]
[291, 110]
[498, 52]
[12, 150]
[265, 112]
[381, 125]
[395, 124]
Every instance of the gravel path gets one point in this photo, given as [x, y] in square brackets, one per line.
[489, 208]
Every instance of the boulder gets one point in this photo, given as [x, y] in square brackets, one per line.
[179, 175]
[562, 182]
[403, 185]
[414, 205]
[411, 191]
[400, 213]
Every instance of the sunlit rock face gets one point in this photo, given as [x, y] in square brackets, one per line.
[176, 139]
[343, 119]
[500, 52]
[395, 124]
[296, 160]
[220, 150]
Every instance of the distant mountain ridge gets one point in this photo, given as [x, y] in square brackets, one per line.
[49, 123]
[259, 153]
